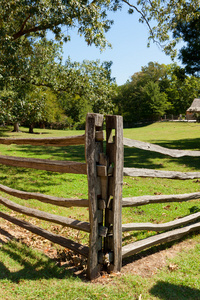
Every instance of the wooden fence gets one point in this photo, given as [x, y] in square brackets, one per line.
[104, 169]
[170, 233]
[102, 179]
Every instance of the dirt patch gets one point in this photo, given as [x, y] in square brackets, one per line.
[150, 264]
[145, 264]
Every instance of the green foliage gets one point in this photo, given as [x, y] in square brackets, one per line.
[156, 90]
[181, 89]
[28, 58]
[92, 89]
[142, 98]
[190, 53]
[24, 22]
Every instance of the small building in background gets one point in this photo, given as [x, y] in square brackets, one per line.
[193, 112]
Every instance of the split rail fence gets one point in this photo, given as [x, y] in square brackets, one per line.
[169, 233]
[105, 171]
[102, 177]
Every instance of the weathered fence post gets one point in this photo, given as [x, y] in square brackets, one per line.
[113, 213]
[93, 148]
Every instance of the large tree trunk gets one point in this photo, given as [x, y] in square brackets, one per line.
[16, 127]
[31, 126]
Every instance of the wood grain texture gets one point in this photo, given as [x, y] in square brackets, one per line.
[141, 172]
[161, 227]
[67, 243]
[66, 202]
[54, 141]
[156, 148]
[92, 150]
[115, 153]
[158, 239]
[69, 222]
[72, 223]
[44, 164]
[147, 199]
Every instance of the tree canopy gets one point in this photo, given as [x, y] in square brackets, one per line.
[23, 20]
[189, 54]
[157, 90]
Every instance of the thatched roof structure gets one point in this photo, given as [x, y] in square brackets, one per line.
[195, 106]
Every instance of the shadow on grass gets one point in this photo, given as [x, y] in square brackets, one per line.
[32, 180]
[165, 290]
[31, 264]
[8, 130]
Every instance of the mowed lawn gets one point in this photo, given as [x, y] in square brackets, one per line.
[26, 272]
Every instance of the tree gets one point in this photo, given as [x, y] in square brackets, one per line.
[155, 91]
[142, 98]
[92, 89]
[189, 54]
[40, 107]
[181, 89]
[36, 73]
[155, 101]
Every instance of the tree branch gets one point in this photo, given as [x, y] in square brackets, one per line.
[24, 23]
[143, 17]
[33, 29]
[30, 30]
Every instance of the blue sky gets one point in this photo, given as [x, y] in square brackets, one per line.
[129, 47]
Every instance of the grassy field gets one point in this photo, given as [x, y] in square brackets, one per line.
[27, 273]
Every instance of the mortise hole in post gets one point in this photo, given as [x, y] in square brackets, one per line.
[111, 136]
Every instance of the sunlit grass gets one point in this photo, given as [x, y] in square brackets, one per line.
[27, 274]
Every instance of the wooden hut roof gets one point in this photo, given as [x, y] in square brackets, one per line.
[195, 106]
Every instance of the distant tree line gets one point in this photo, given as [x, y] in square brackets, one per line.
[156, 90]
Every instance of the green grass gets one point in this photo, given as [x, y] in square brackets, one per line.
[26, 273]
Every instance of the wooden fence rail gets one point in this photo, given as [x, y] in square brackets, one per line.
[137, 172]
[170, 233]
[60, 240]
[44, 164]
[143, 200]
[55, 141]
[158, 239]
[160, 149]
[66, 202]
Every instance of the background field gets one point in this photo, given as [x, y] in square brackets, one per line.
[27, 273]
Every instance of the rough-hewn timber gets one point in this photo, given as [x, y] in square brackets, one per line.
[140, 172]
[143, 200]
[54, 141]
[161, 227]
[80, 225]
[158, 239]
[93, 148]
[66, 202]
[115, 153]
[84, 226]
[159, 149]
[67, 243]
[44, 164]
